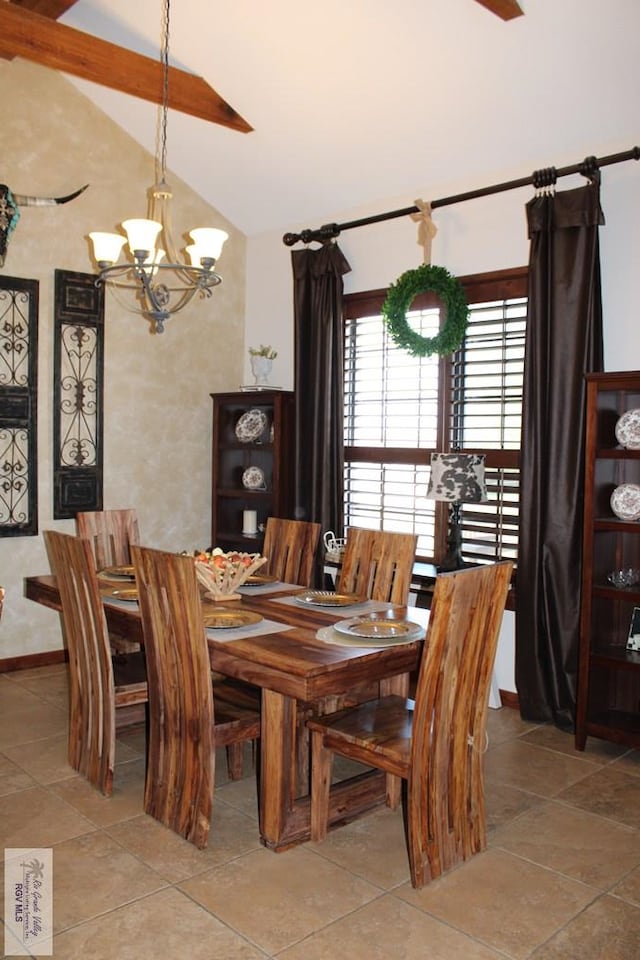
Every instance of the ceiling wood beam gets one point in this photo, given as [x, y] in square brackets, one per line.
[505, 9]
[52, 44]
[47, 8]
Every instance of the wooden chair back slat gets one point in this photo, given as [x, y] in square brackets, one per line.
[290, 547]
[180, 764]
[449, 721]
[111, 533]
[91, 684]
[378, 564]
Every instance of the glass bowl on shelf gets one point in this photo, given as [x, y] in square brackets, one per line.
[221, 573]
[626, 577]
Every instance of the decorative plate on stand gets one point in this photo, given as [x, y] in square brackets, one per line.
[253, 479]
[628, 430]
[625, 501]
[251, 425]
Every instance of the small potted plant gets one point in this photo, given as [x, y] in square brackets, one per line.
[261, 362]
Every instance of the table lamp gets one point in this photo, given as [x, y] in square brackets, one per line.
[457, 478]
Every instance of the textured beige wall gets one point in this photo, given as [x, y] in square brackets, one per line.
[157, 430]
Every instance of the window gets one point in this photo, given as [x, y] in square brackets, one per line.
[399, 409]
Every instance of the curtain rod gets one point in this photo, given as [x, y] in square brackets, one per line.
[539, 178]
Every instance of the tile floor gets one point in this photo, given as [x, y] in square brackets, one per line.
[559, 881]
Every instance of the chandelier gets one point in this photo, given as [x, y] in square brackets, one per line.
[162, 286]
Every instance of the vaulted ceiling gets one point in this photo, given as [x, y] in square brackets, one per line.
[352, 101]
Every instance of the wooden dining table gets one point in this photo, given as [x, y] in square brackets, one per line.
[293, 667]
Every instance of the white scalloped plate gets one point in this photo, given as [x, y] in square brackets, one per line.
[251, 425]
[625, 501]
[628, 430]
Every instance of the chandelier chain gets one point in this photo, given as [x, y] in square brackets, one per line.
[164, 59]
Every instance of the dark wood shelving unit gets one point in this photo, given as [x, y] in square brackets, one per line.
[608, 704]
[271, 451]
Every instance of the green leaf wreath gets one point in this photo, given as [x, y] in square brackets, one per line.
[401, 295]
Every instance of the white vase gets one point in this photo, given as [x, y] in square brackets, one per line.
[261, 367]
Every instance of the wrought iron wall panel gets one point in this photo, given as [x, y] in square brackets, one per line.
[18, 407]
[77, 394]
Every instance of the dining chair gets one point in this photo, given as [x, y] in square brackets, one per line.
[290, 548]
[186, 723]
[99, 684]
[378, 564]
[111, 533]
[435, 743]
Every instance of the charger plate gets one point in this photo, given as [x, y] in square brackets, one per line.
[379, 628]
[126, 593]
[259, 580]
[328, 598]
[225, 619]
[117, 573]
[331, 635]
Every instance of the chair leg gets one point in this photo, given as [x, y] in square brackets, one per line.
[425, 862]
[235, 760]
[393, 791]
[321, 766]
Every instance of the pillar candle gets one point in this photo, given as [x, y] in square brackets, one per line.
[249, 522]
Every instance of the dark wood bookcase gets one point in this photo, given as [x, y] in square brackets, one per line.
[608, 704]
[271, 451]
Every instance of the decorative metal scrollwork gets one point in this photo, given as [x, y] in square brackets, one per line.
[78, 394]
[18, 406]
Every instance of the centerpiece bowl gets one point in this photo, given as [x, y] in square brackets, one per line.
[222, 573]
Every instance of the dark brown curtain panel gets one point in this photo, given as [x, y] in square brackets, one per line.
[564, 341]
[319, 362]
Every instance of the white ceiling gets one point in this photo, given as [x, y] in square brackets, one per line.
[356, 100]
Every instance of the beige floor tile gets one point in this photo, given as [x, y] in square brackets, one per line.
[45, 760]
[595, 751]
[277, 899]
[609, 929]
[503, 803]
[629, 888]
[372, 847]
[503, 901]
[573, 842]
[506, 724]
[125, 802]
[162, 926]
[13, 777]
[29, 719]
[241, 794]
[388, 929]
[134, 739]
[53, 688]
[611, 792]
[534, 769]
[37, 818]
[629, 762]
[232, 835]
[93, 875]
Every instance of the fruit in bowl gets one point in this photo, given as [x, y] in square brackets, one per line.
[222, 573]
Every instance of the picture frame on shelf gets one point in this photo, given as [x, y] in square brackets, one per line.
[633, 640]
